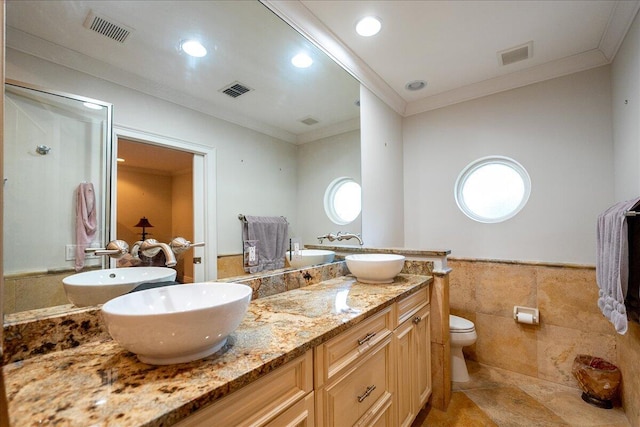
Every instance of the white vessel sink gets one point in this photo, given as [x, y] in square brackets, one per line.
[178, 323]
[307, 257]
[375, 268]
[99, 286]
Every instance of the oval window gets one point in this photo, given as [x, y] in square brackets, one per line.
[492, 189]
[342, 200]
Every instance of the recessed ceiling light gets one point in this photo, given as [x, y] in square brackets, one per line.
[92, 106]
[193, 48]
[368, 26]
[302, 60]
[416, 85]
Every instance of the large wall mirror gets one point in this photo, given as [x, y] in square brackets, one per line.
[278, 145]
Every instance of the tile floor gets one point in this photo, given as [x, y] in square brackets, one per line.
[496, 397]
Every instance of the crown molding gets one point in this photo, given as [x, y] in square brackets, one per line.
[619, 23]
[337, 129]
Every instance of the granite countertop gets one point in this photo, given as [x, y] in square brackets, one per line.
[99, 383]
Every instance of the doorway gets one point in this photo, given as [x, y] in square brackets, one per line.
[155, 199]
[171, 184]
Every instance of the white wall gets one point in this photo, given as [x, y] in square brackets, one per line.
[626, 115]
[382, 177]
[559, 130]
[319, 163]
[256, 174]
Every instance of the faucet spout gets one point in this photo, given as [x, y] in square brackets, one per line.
[347, 236]
[151, 247]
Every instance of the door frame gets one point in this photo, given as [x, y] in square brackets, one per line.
[204, 194]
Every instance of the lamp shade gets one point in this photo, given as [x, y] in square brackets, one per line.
[144, 222]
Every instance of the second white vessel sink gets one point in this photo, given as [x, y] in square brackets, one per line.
[99, 286]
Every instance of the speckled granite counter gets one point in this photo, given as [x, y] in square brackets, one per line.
[100, 384]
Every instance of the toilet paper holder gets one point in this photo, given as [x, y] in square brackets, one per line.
[527, 315]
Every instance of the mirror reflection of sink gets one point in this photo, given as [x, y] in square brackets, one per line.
[178, 323]
[99, 286]
[375, 268]
[307, 257]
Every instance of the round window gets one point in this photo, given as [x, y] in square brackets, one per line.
[342, 200]
[492, 189]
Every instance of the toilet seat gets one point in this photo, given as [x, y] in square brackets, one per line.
[459, 325]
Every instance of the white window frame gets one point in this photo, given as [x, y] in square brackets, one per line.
[472, 167]
[329, 199]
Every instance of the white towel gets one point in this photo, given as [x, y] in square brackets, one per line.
[86, 221]
[612, 262]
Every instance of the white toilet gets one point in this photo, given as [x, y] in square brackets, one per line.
[462, 333]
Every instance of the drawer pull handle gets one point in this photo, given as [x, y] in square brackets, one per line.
[366, 338]
[417, 319]
[366, 394]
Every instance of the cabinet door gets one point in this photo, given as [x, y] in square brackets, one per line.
[406, 401]
[422, 354]
[413, 352]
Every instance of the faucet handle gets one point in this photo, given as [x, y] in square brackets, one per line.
[180, 244]
[115, 249]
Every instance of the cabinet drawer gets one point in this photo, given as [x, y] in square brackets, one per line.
[409, 305]
[261, 401]
[339, 352]
[358, 396]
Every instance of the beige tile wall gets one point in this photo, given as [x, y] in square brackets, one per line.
[571, 323]
[230, 266]
[30, 292]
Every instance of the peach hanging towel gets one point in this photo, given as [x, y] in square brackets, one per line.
[86, 221]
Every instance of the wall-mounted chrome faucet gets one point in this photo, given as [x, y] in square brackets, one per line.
[339, 236]
[149, 247]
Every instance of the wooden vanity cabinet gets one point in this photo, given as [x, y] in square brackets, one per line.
[413, 354]
[283, 397]
[376, 374]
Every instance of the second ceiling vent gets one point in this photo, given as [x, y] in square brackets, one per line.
[516, 54]
[235, 89]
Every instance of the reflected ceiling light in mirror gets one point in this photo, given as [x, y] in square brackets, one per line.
[368, 26]
[92, 106]
[302, 60]
[193, 48]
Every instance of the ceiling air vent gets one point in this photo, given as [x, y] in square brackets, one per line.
[516, 54]
[309, 121]
[235, 89]
[107, 27]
